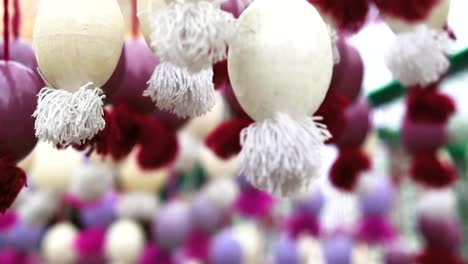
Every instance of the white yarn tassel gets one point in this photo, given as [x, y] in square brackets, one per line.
[334, 40]
[419, 57]
[178, 91]
[65, 118]
[283, 155]
[194, 35]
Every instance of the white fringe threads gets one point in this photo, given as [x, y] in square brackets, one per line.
[283, 155]
[65, 118]
[181, 92]
[194, 35]
[334, 40]
[419, 57]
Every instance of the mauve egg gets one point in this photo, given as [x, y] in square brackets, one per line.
[348, 74]
[225, 249]
[286, 251]
[358, 124]
[139, 63]
[21, 52]
[310, 204]
[417, 136]
[19, 86]
[235, 7]
[172, 225]
[26, 237]
[204, 215]
[338, 250]
[101, 214]
[440, 231]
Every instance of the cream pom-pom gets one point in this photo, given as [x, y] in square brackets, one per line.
[52, 171]
[38, 207]
[251, 242]
[134, 179]
[77, 45]
[189, 151]
[201, 126]
[419, 57]
[280, 70]
[216, 167]
[124, 242]
[192, 34]
[58, 244]
[221, 192]
[90, 182]
[437, 203]
[176, 90]
[137, 205]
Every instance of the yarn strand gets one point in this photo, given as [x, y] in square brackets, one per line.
[16, 21]
[6, 30]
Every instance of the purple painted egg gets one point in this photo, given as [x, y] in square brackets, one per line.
[100, 214]
[379, 199]
[348, 74]
[397, 255]
[235, 7]
[140, 63]
[204, 216]
[286, 251]
[25, 237]
[310, 204]
[172, 225]
[21, 52]
[19, 86]
[231, 99]
[440, 231]
[338, 250]
[225, 249]
[417, 136]
[358, 124]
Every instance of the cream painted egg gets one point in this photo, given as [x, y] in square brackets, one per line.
[134, 179]
[200, 127]
[310, 250]
[52, 171]
[216, 167]
[58, 244]
[77, 42]
[250, 241]
[221, 192]
[145, 9]
[27, 162]
[281, 60]
[124, 242]
[437, 19]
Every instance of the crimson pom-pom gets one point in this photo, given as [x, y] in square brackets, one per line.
[427, 169]
[409, 10]
[158, 145]
[12, 180]
[348, 15]
[333, 112]
[347, 167]
[429, 105]
[220, 73]
[438, 255]
[224, 141]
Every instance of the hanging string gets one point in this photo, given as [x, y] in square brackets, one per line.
[6, 30]
[16, 20]
[134, 19]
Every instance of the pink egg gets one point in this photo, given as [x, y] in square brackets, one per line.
[358, 124]
[418, 136]
[135, 68]
[348, 74]
[21, 52]
[19, 86]
[235, 7]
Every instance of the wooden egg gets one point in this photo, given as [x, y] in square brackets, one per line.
[280, 65]
[77, 42]
[124, 242]
[145, 9]
[57, 244]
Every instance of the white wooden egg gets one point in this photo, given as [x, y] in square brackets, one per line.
[281, 60]
[145, 9]
[124, 241]
[437, 19]
[58, 244]
[77, 42]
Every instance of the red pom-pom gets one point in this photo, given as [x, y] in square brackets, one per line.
[409, 10]
[12, 180]
[220, 73]
[333, 112]
[427, 169]
[429, 105]
[438, 255]
[348, 15]
[345, 171]
[158, 145]
[224, 141]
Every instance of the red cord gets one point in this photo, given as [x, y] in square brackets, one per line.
[16, 20]
[6, 30]
[134, 18]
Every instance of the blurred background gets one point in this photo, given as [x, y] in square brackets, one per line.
[87, 208]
